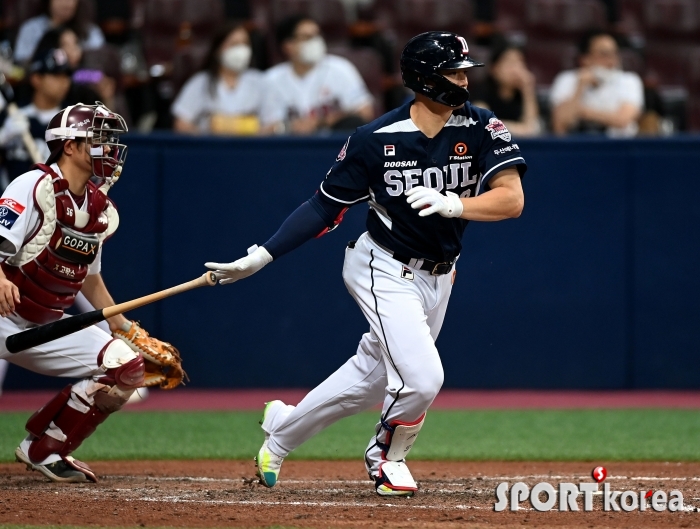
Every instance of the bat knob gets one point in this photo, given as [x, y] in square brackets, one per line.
[211, 278]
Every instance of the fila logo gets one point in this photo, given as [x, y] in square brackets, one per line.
[407, 273]
[389, 150]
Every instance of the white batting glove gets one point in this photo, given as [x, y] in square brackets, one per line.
[434, 202]
[246, 266]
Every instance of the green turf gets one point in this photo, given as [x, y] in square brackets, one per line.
[579, 435]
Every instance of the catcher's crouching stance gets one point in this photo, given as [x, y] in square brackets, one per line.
[53, 221]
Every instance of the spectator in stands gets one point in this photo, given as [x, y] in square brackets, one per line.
[509, 91]
[49, 76]
[56, 13]
[313, 90]
[88, 85]
[599, 96]
[226, 95]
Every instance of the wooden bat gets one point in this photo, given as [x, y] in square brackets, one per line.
[58, 329]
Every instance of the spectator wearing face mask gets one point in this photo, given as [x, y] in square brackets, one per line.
[225, 97]
[312, 90]
[56, 13]
[598, 97]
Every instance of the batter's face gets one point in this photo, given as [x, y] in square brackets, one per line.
[458, 77]
[603, 52]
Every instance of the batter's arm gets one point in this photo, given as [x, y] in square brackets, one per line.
[95, 291]
[505, 199]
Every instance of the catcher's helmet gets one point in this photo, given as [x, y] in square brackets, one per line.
[100, 127]
[428, 53]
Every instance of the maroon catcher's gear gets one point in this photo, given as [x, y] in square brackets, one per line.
[73, 415]
[48, 279]
[100, 127]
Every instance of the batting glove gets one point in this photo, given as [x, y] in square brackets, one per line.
[246, 266]
[434, 202]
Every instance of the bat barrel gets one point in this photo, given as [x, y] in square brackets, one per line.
[52, 331]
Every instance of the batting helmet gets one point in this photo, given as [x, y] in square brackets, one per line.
[100, 127]
[426, 55]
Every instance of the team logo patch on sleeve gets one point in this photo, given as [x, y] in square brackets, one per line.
[10, 209]
[498, 129]
[343, 152]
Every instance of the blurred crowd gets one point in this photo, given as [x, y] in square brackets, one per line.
[246, 67]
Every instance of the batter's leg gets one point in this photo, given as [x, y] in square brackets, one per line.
[357, 386]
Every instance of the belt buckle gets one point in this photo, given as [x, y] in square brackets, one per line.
[436, 269]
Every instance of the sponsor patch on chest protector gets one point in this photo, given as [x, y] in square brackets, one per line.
[407, 273]
[77, 248]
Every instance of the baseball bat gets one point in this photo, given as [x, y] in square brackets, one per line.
[63, 327]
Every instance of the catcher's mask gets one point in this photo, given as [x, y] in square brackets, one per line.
[100, 127]
[426, 55]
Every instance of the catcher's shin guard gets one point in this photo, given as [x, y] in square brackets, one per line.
[72, 416]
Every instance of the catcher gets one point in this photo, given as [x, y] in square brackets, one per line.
[53, 222]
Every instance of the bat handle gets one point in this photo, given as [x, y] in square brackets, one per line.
[210, 278]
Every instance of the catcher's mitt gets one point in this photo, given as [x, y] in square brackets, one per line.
[163, 362]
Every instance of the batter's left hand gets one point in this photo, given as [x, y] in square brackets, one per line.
[246, 266]
[434, 202]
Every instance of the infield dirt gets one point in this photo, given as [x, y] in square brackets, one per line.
[327, 494]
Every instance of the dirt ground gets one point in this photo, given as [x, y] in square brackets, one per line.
[329, 495]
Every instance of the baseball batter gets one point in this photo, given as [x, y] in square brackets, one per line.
[53, 222]
[426, 169]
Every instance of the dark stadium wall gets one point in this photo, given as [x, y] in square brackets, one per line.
[595, 286]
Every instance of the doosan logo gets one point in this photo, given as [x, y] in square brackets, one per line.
[545, 497]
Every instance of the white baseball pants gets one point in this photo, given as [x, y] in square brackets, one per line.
[396, 362]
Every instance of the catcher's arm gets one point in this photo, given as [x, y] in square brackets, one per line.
[163, 362]
[95, 291]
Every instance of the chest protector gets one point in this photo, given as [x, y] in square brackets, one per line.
[53, 262]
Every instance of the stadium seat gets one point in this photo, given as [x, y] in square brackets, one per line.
[510, 15]
[411, 17]
[330, 15]
[675, 65]
[14, 12]
[672, 19]
[560, 18]
[171, 25]
[546, 59]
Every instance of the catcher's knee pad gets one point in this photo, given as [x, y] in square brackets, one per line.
[123, 367]
[400, 437]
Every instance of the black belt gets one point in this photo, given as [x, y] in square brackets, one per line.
[435, 268]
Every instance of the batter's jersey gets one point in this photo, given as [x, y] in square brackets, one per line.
[386, 158]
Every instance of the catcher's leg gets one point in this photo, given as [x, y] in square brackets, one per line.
[59, 428]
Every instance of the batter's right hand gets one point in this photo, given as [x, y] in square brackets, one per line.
[246, 266]
[9, 296]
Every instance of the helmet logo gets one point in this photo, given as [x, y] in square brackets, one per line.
[463, 42]
[461, 149]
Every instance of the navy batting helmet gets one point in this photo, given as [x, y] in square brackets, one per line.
[428, 53]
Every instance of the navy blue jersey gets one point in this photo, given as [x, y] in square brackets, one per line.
[386, 158]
